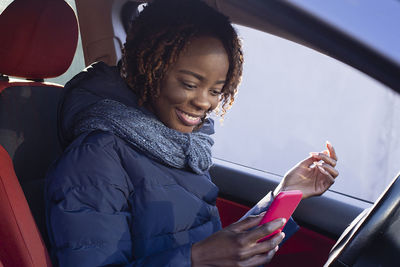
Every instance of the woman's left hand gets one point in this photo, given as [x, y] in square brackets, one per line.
[313, 176]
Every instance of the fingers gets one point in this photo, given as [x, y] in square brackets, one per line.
[330, 180]
[324, 157]
[329, 156]
[260, 259]
[264, 230]
[270, 245]
[232, 247]
[331, 150]
[329, 169]
[271, 254]
[249, 222]
[308, 161]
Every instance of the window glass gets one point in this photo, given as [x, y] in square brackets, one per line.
[292, 99]
[4, 4]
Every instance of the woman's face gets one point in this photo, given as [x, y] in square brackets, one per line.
[192, 86]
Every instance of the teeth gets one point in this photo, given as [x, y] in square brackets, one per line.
[190, 117]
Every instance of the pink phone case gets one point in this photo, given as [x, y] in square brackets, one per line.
[282, 206]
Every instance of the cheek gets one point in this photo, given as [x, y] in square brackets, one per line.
[173, 93]
[177, 96]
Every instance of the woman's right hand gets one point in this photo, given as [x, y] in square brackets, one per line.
[236, 245]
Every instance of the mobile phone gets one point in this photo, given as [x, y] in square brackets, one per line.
[282, 206]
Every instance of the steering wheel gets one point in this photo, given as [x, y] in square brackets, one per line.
[372, 237]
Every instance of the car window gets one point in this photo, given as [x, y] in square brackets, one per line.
[292, 99]
[78, 62]
[4, 4]
[376, 32]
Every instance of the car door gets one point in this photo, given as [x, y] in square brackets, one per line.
[291, 100]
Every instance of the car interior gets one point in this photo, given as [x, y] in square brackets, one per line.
[28, 120]
[39, 39]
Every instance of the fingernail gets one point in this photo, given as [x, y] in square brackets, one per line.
[329, 143]
[283, 220]
[276, 248]
[283, 235]
[314, 154]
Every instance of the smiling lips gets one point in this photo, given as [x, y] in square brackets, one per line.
[188, 119]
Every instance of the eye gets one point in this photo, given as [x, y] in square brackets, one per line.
[189, 86]
[215, 92]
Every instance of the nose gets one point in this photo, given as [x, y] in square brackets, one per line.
[202, 100]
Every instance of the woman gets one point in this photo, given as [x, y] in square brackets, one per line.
[132, 188]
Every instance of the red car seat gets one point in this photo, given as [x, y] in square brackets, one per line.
[21, 242]
[38, 41]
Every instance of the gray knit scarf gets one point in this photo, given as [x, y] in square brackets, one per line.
[145, 132]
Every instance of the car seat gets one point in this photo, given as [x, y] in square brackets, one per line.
[39, 39]
[21, 243]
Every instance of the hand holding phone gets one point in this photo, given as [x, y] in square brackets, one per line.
[282, 206]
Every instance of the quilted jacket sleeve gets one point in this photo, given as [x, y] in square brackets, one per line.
[88, 212]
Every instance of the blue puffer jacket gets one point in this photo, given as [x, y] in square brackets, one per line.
[109, 204]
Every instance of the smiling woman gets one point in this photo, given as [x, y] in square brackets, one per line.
[133, 186]
[193, 86]
[133, 189]
[134, 160]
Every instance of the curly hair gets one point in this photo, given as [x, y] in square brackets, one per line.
[162, 31]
